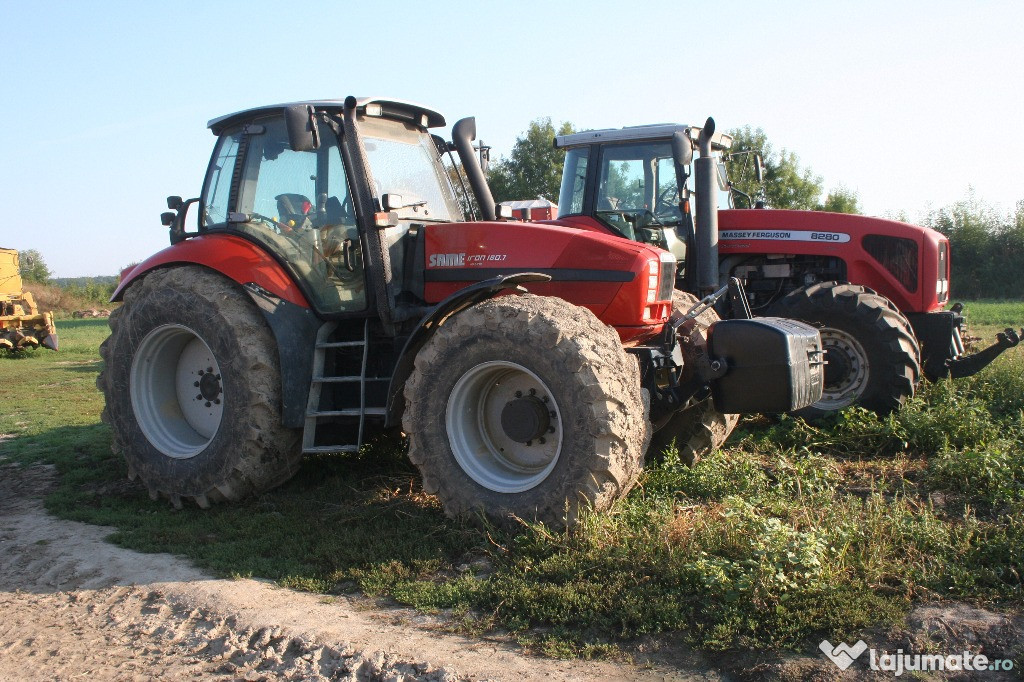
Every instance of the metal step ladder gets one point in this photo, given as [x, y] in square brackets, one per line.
[314, 408]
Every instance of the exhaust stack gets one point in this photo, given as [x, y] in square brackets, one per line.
[705, 183]
[463, 134]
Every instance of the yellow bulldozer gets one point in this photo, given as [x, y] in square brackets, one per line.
[22, 326]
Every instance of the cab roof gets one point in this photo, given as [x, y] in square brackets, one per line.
[389, 108]
[656, 131]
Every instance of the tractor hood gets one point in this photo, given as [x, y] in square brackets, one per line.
[914, 260]
[606, 274]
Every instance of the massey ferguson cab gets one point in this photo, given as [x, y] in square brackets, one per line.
[876, 289]
[330, 290]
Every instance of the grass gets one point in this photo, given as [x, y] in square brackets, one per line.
[792, 533]
[995, 313]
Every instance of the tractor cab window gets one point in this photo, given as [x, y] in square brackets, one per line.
[404, 161]
[297, 205]
[638, 194]
[217, 190]
[574, 182]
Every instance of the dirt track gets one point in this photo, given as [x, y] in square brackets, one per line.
[75, 606]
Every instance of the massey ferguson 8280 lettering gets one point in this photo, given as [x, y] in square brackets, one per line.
[447, 260]
[786, 235]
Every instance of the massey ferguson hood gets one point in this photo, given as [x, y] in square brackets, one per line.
[901, 261]
[796, 226]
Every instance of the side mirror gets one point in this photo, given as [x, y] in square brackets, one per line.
[392, 202]
[759, 169]
[682, 149]
[167, 218]
[503, 212]
[174, 203]
[303, 134]
[485, 157]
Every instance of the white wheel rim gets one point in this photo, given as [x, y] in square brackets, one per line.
[850, 388]
[176, 391]
[480, 444]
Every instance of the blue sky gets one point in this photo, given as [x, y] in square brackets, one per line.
[106, 103]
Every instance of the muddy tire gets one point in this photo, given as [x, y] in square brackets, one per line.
[698, 429]
[193, 390]
[872, 354]
[526, 407]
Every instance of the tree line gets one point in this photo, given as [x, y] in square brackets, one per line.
[74, 291]
[987, 247]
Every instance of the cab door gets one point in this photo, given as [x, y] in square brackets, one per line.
[294, 204]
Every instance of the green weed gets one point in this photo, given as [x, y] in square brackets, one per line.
[793, 532]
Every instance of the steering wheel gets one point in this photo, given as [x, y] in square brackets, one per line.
[665, 199]
[652, 219]
[276, 226]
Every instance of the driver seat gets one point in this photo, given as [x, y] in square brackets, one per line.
[294, 210]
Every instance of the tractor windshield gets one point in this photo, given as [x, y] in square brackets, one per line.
[637, 188]
[404, 161]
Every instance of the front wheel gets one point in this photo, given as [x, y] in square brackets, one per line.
[528, 407]
[193, 389]
[872, 357]
[699, 429]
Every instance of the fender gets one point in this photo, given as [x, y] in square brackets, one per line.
[430, 323]
[232, 256]
[288, 314]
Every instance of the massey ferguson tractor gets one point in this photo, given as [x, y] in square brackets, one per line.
[331, 289]
[876, 289]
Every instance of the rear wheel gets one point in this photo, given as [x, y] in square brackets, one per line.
[193, 390]
[528, 407]
[698, 429]
[873, 359]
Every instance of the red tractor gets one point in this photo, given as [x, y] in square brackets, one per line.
[876, 289]
[332, 290]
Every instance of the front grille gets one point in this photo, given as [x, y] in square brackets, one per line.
[897, 255]
[668, 278]
[942, 288]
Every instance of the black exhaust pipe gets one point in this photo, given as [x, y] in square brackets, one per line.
[705, 182]
[463, 134]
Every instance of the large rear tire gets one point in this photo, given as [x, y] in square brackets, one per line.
[698, 429]
[872, 356]
[193, 390]
[526, 407]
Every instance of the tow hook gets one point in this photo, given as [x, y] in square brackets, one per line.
[966, 365]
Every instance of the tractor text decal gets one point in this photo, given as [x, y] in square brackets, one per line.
[458, 260]
[447, 260]
[787, 235]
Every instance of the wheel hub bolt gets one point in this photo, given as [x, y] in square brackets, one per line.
[524, 420]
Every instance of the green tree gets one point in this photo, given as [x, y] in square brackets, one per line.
[986, 247]
[841, 200]
[534, 168]
[33, 267]
[786, 184]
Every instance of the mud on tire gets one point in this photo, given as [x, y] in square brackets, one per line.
[873, 356]
[526, 406]
[193, 390]
[698, 429]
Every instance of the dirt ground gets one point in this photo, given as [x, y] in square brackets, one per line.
[73, 606]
